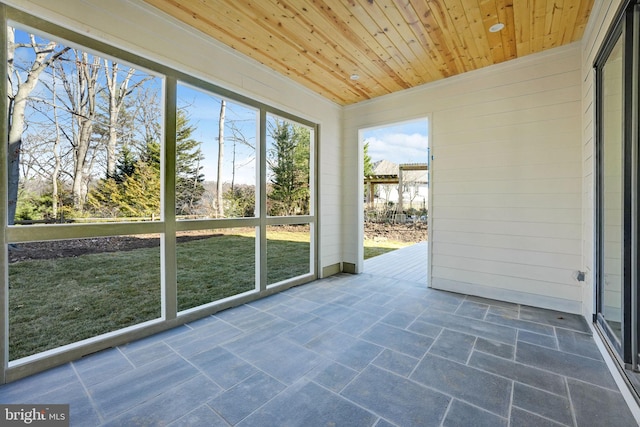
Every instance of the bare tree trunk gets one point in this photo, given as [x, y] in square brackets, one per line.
[220, 207]
[117, 94]
[83, 99]
[56, 155]
[17, 103]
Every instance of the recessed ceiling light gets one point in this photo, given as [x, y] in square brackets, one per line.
[354, 77]
[496, 27]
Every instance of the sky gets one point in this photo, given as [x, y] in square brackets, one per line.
[405, 142]
[203, 112]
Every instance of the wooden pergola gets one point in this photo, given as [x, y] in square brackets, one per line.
[371, 180]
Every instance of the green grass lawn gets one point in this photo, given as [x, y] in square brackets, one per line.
[60, 301]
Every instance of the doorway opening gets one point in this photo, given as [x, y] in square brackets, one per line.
[395, 185]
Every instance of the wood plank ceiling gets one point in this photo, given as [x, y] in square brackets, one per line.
[390, 44]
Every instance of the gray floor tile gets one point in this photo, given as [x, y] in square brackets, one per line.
[554, 318]
[204, 338]
[25, 389]
[238, 402]
[461, 414]
[466, 325]
[356, 323]
[156, 338]
[522, 418]
[236, 314]
[495, 348]
[308, 331]
[480, 388]
[270, 301]
[407, 304]
[148, 354]
[205, 321]
[223, 367]
[424, 328]
[493, 303]
[372, 308]
[525, 325]
[203, 416]
[570, 365]
[291, 314]
[130, 389]
[578, 343]
[397, 339]
[514, 313]
[333, 376]
[301, 304]
[333, 312]
[542, 403]
[538, 339]
[347, 299]
[345, 349]
[518, 372]
[82, 411]
[170, 405]
[284, 360]
[397, 399]
[252, 321]
[306, 404]
[398, 319]
[596, 406]
[101, 366]
[384, 423]
[395, 362]
[453, 345]
[472, 309]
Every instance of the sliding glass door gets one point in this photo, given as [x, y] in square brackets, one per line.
[617, 185]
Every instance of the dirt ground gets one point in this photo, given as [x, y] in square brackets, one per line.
[412, 233]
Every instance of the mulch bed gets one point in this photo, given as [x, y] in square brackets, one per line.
[410, 232]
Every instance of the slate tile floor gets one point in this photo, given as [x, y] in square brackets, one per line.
[376, 349]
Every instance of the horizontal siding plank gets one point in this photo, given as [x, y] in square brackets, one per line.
[509, 242]
[534, 215]
[535, 186]
[555, 290]
[558, 201]
[515, 256]
[509, 269]
[549, 230]
[525, 171]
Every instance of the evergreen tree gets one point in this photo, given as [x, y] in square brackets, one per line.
[189, 158]
[134, 190]
[289, 162]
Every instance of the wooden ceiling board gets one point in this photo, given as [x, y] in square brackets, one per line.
[391, 44]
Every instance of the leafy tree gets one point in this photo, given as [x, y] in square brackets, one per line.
[189, 176]
[240, 201]
[289, 164]
[368, 163]
[132, 192]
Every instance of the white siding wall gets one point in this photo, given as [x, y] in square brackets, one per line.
[600, 20]
[506, 175]
[141, 29]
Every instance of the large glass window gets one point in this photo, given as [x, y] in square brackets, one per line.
[84, 135]
[215, 156]
[138, 196]
[65, 291]
[288, 167]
